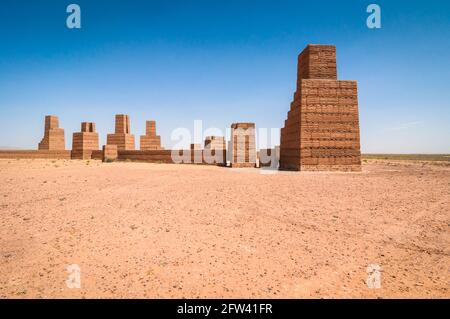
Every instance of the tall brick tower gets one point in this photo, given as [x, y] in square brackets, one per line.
[122, 136]
[322, 127]
[150, 141]
[53, 135]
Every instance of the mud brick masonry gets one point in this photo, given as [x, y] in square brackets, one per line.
[85, 142]
[150, 141]
[53, 139]
[242, 145]
[321, 131]
[122, 136]
[110, 153]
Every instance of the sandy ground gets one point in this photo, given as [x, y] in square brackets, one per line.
[159, 230]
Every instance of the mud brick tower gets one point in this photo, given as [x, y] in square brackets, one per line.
[122, 137]
[242, 146]
[53, 135]
[84, 142]
[150, 141]
[322, 127]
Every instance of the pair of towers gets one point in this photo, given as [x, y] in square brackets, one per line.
[125, 140]
[83, 143]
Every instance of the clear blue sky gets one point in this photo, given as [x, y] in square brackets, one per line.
[221, 62]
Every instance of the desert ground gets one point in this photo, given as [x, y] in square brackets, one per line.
[140, 230]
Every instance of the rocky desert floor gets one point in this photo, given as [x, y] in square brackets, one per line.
[139, 230]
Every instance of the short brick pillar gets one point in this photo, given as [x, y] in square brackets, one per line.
[110, 153]
[242, 150]
[84, 142]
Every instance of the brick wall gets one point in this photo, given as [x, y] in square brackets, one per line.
[38, 154]
[165, 156]
[110, 153]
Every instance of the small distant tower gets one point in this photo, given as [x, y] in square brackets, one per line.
[53, 135]
[150, 141]
[122, 136]
[84, 142]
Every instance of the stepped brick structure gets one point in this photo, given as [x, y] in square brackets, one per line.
[122, 136]
[53, 139]
[150, 141]
[322, 127]
[84, 142]
[242, 145]
[215, 150]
